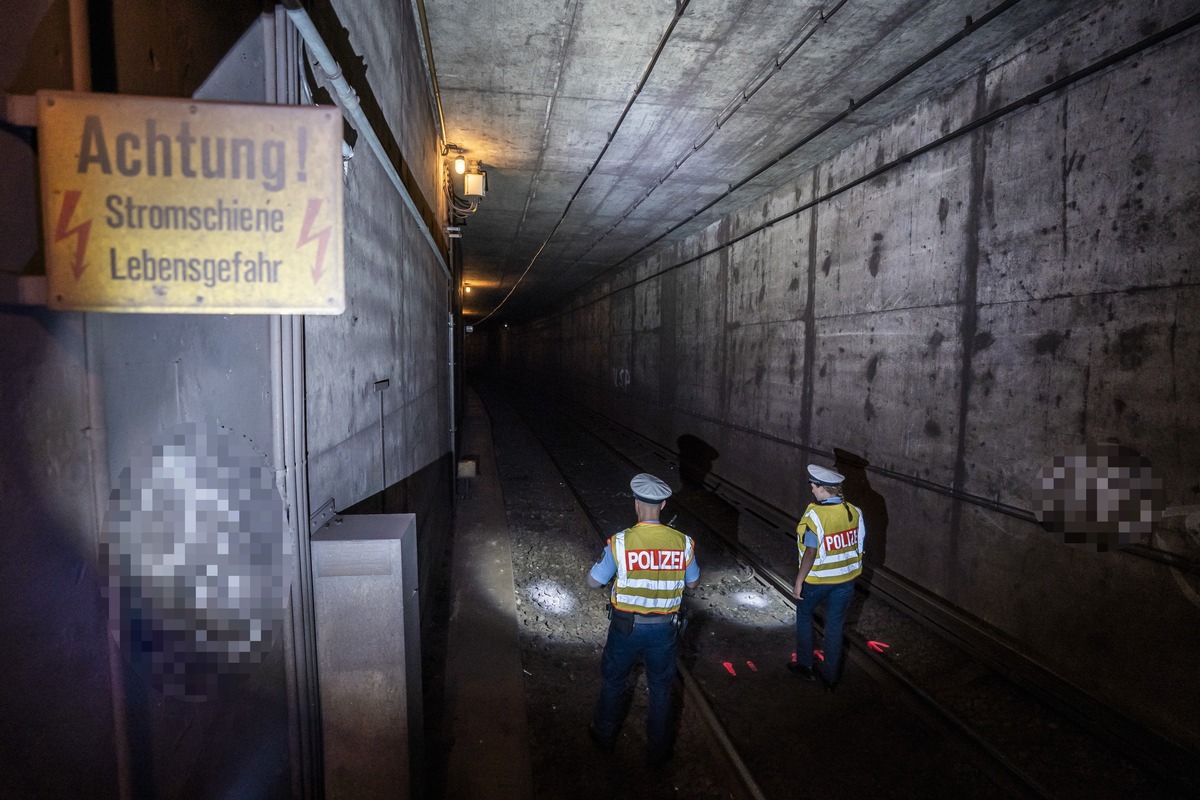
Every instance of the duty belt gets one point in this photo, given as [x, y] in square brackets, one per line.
[645, 619]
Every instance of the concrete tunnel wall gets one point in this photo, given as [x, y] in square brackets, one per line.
[958, 321]
[397, 302]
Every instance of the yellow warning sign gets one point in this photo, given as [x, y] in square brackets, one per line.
[181, 206]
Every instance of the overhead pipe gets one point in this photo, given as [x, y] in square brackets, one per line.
[431, 84]
[288, 416]
[81, 46]
[450, 366]
[352, 109]
[97, 439]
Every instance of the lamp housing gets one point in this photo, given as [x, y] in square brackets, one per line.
[475, 184]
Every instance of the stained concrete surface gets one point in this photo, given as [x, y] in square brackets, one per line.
[958, 321]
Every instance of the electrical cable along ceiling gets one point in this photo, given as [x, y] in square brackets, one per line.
[610, 129]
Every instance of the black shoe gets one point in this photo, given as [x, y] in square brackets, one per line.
[605, 747]
[804, 672]
[827, 684]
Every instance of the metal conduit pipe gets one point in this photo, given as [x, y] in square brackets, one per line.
[296, 453]
[431, 84]
[450, 371]
[297, 739]
[81, 47]
[288, 424]
[97, 438]
[352, 109]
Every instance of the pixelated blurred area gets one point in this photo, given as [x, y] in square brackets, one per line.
[1099, 496]
[198, 559]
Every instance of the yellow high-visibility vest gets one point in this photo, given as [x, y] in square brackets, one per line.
[840, 534]
[651, 559]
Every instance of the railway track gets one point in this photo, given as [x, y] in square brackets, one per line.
[921, 670]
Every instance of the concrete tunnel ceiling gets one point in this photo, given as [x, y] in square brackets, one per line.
[610, 129]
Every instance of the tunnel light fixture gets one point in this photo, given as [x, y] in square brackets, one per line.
[467, 288]
[460, 161]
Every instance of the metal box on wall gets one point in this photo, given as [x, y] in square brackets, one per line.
[369, 655]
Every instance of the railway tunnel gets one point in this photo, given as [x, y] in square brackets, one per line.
[947, 248]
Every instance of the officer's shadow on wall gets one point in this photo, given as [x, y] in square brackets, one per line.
[696, 499]
[858, 491]
[696, 458]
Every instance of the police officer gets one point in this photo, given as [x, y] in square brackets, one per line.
[830, 539]
[651, 563]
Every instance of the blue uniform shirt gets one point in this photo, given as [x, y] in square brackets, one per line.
[810, 537]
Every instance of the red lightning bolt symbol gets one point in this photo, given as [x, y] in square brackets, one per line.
[61, 231]
[321, 237]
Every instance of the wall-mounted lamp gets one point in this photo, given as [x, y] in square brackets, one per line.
[460, 161]
[467, 288]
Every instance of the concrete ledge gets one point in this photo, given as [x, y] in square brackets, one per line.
[485, 688]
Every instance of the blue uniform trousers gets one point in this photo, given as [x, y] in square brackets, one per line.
[655, 643]
[837, 598]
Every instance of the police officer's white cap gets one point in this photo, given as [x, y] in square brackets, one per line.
[649, 489]
[823, 476]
